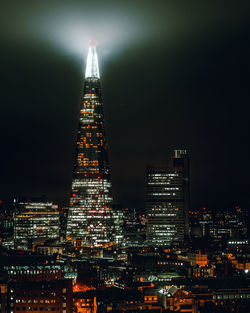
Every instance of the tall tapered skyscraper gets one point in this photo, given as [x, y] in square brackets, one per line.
[89, 216]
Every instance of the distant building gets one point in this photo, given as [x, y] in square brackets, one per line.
[34, 273]
[117, 217]
[181, 163]
[6, 220]
[180, 300]
[25, 267]
[237, 245]
[4, 281]
[83, 303]
[6, 226]
[149, 302]
[50, 249]
[219, 224]
[198, 259]
[200, 221]
[34, 220]
[41, 296]
[167, 201]
[63, 221]
[134, 228]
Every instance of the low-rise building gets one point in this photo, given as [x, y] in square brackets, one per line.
[41, 296]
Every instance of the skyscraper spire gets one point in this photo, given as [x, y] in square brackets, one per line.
[92, 68]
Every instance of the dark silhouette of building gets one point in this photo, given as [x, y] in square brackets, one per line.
[41, 296]
[181, 163]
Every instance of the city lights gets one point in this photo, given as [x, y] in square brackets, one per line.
[124, 184]
[90, 215]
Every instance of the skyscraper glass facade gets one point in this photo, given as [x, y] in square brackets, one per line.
[167, 201]
[165, 207]
[89, 217]
[34, 220]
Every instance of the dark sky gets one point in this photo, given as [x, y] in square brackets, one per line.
[175, 74]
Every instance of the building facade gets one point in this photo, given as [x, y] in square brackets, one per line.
[89, 217]
[35, 220]
[167, 202]
[181, 163]
[41, 296]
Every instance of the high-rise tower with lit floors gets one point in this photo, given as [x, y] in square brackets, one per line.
[89, 216]
[168, 202]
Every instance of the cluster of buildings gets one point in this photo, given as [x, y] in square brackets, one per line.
[219, 224]
[119, 280]
[95, 256]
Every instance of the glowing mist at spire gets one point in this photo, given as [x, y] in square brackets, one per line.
[92, 68]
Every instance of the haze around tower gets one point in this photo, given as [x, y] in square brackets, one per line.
[174, 75]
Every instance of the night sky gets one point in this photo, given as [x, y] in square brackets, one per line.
[175, 74]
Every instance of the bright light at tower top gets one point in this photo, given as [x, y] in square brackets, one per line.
[92, 68]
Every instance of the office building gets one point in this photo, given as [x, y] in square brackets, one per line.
[35, 220]
[167, 202]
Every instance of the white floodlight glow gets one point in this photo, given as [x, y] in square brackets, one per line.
[92, 68]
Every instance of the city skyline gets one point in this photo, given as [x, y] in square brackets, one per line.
[171, 88]
[124, 156]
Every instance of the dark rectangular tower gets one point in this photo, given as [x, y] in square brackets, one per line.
[167, 202]
[181, 163]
